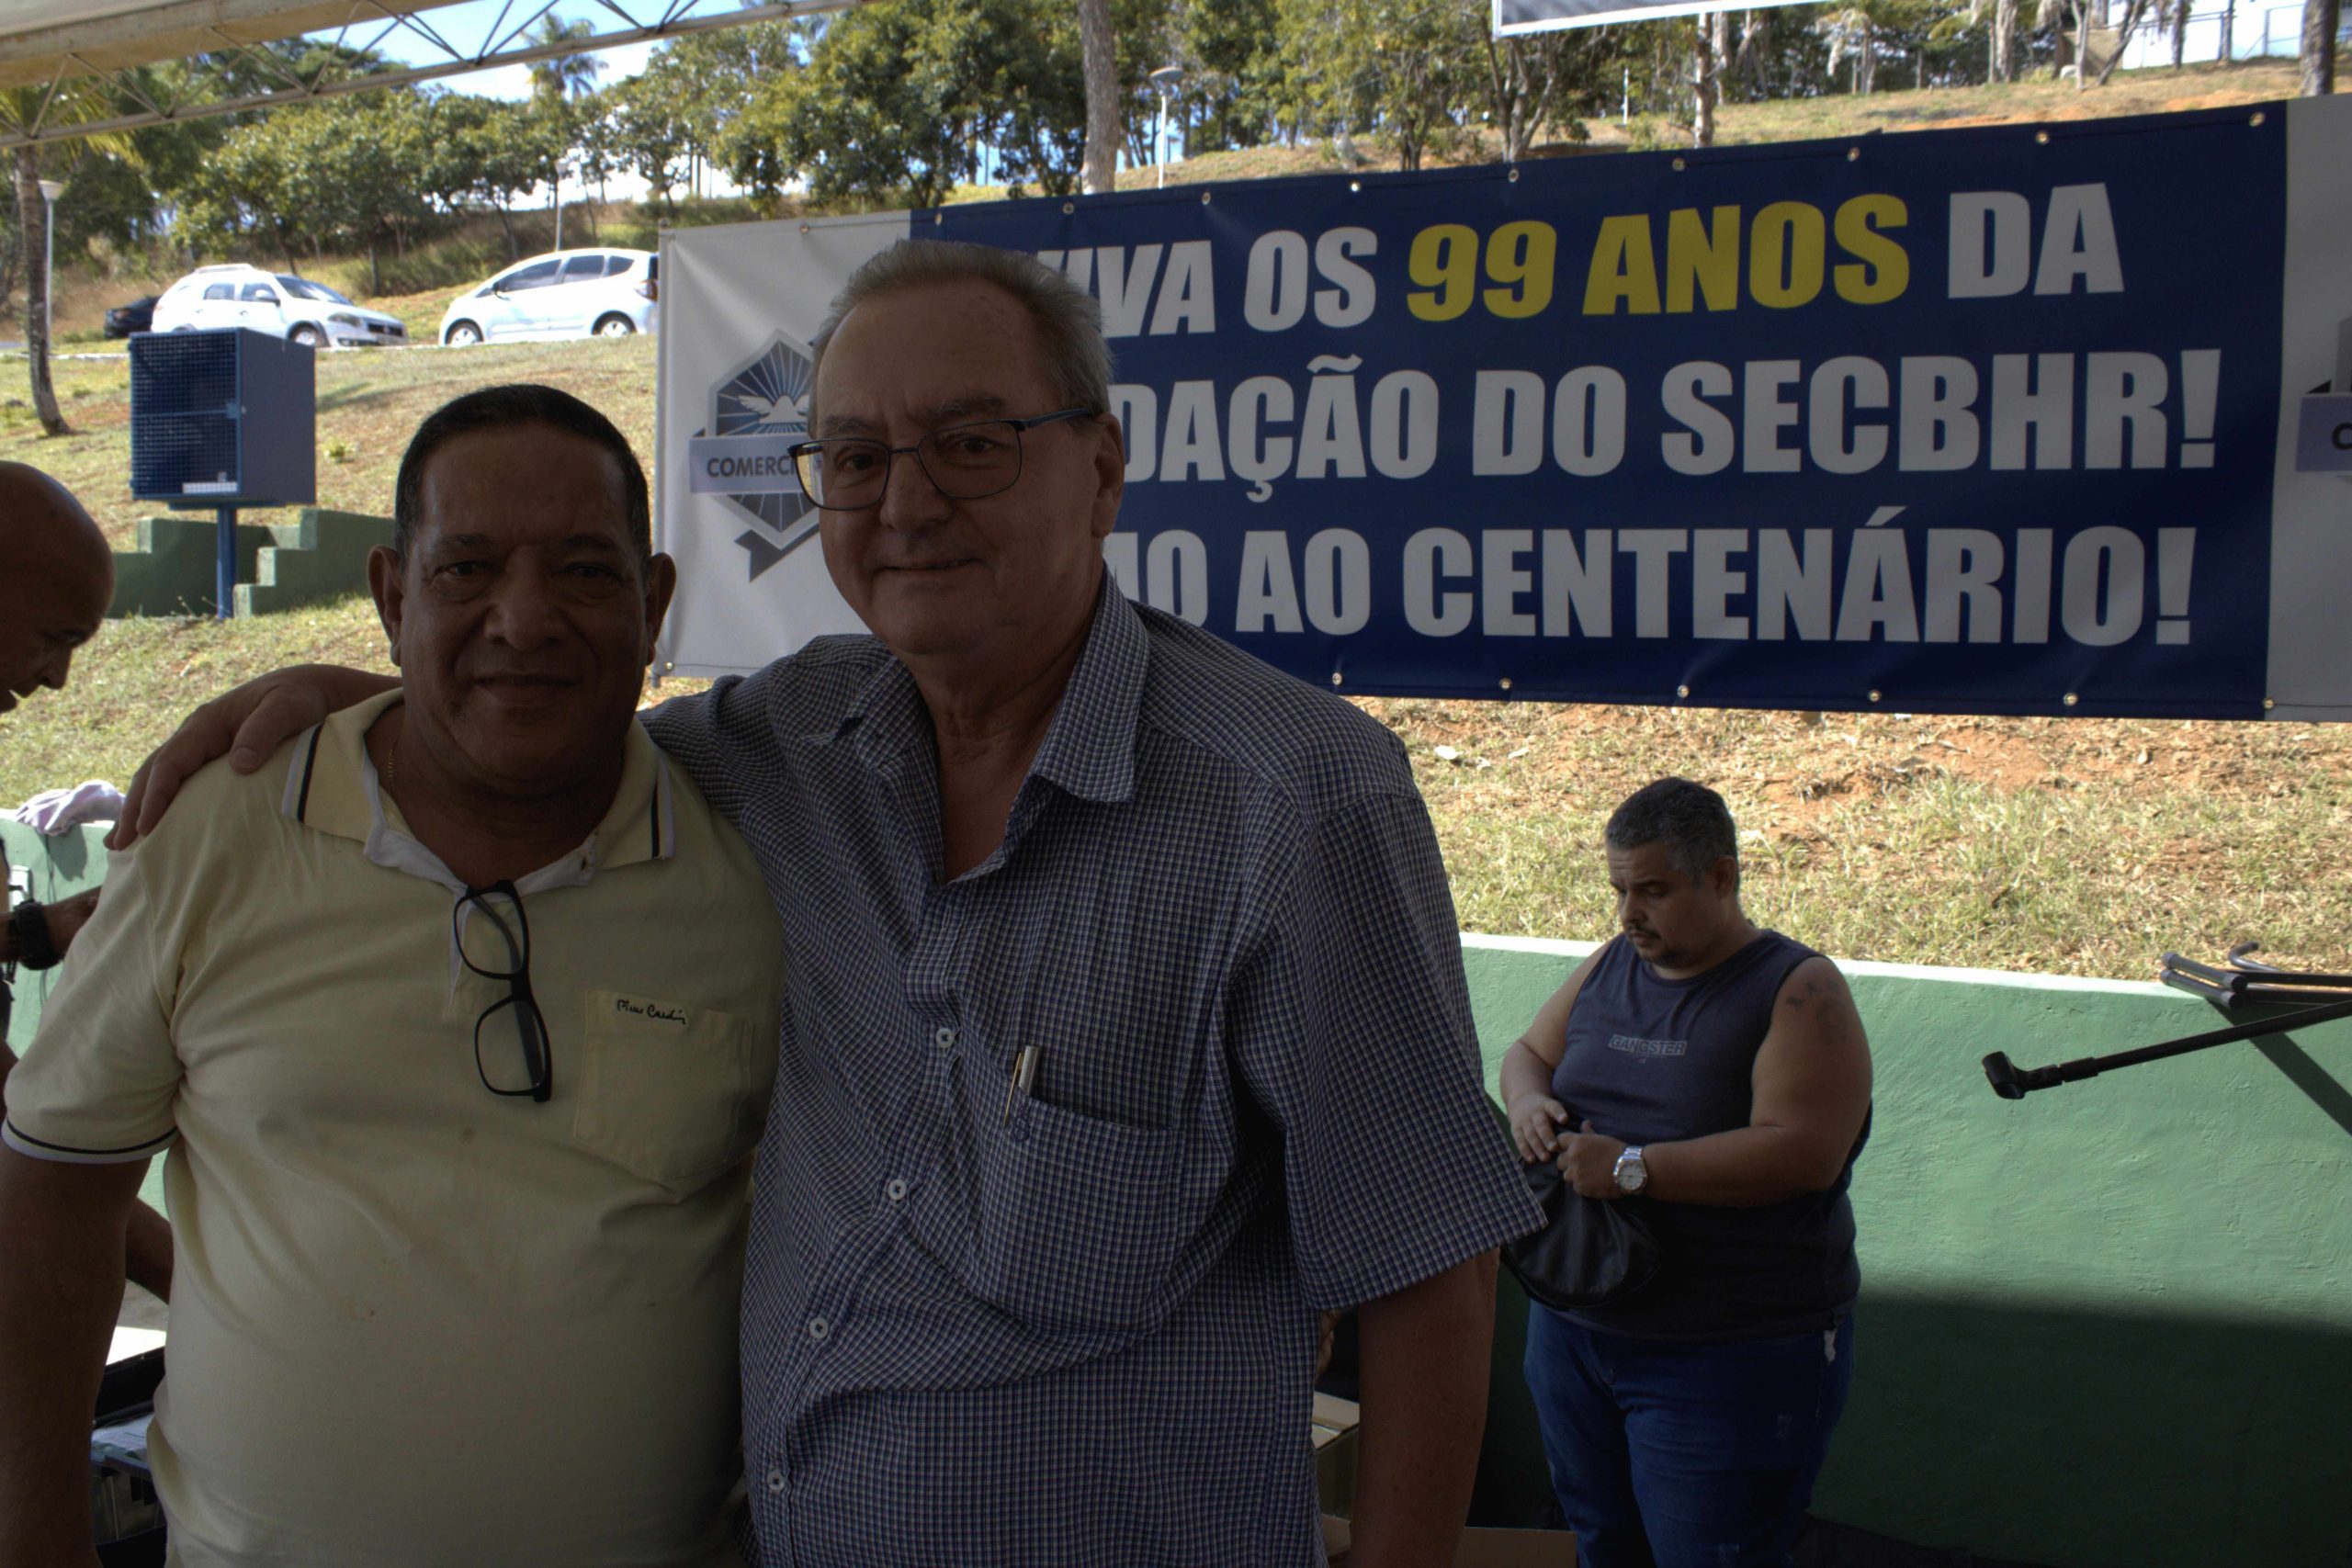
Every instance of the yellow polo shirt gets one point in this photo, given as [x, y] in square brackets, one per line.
[414, 1322]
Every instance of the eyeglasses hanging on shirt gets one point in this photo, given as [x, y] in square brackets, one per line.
[510, 1052]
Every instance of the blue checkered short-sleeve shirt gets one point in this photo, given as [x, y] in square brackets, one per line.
[1077, 1326]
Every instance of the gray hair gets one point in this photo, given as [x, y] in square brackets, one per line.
[1068, 320]
[1689, 820]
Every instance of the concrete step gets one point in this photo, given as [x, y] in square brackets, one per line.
[321, 556]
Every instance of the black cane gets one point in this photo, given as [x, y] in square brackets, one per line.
[2012, 1082]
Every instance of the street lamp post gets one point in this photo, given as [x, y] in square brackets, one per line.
[1165, 79]
[49, 191]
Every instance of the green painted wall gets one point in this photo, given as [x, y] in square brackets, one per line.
[2108, 1326]
[325, 559]
[172, 572]
[322, 555]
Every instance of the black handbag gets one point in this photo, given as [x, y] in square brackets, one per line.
[1590, 1249]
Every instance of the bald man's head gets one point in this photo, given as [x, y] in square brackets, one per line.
[56, 579]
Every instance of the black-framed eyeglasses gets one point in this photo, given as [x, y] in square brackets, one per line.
[978, 457]
[504, 1069]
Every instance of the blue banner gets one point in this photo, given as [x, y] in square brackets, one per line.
[1982, 420]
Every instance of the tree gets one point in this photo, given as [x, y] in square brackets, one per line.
[1715, 40]
[1099, 64]
[2001, 44]
[720, 77]
[557, 81]
[1536, 80]
[905, 97]
[367, 160]
[1367, 66]
[23, 109]
[2133, 14]
[2319, 20]
[559, 78]
[646, 134]
[1231, 52]
[500, 151]
[1853, 35]
[2086, 29]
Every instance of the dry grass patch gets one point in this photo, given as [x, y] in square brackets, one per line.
[2066, 846]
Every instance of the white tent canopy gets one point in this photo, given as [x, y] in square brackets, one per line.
[52, 46]
[44, 40]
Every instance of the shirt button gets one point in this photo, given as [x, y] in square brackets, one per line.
[897, 1189]
[944, 1038]
[819, 1328]
[775, 1481]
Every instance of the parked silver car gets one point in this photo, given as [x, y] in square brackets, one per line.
[604, 292]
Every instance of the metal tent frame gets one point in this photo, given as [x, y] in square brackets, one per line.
[103, 49]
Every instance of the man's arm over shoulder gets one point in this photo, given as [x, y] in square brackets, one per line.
[247, 724]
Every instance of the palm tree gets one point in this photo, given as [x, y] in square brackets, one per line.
[563, 76]
[27, 110]
[555, 81]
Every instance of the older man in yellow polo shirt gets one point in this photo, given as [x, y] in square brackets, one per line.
[457, 1020]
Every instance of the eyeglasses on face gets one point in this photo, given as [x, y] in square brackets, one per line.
[967, 461]
[512, 1055]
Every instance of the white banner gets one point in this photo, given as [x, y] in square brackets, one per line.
[1545, 16]
[739, 305]
[2311, 530]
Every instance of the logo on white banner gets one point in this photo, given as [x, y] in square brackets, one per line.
[758, 414]
[2324, 433]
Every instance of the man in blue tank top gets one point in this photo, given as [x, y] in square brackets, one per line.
[1714, 1076]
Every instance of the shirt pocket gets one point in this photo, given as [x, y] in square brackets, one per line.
[1079, 1220]
[664, 1087]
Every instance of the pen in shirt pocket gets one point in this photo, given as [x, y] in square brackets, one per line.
[1024, 1077]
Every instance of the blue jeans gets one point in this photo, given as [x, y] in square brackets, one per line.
[1685, 1456]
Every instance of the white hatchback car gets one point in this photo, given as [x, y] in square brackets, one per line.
[600, 293]
[279, 303]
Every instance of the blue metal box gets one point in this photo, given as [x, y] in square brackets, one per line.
[223, 418]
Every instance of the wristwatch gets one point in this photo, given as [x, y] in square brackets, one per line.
[1633, 1173]
[29, 923]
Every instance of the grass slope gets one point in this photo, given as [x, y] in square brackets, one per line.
[2075, 846]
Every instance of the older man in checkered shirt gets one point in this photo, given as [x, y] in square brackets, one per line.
[1125, 1025]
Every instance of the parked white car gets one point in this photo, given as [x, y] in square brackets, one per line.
[604, 292]
[279, 303]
